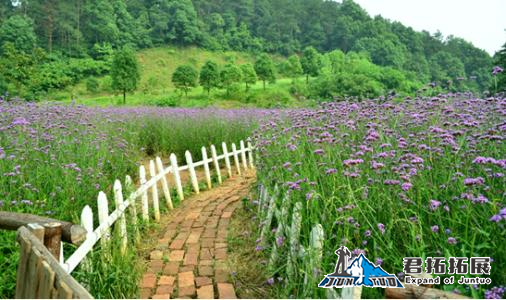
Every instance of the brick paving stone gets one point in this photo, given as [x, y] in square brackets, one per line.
[226, 215]
[206, 262]
[177, 245]
[221, 275]
[145, 293]
[207, 242]
[192, 216]
[156, 266]
[220, 254]
[176, 255]
[201, 281]
[206, 254]
[166, 280]
[171, 268]
[191, 258]
[193, 238]
[185, 279]
[205, 292]
[187, 291]
[226, 291]
[156, 255]
[189, 268]
[165, 296]
[148, 281]
[220, 245]
[164, 289]
[205, 270]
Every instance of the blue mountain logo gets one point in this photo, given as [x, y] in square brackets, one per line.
[359, 272]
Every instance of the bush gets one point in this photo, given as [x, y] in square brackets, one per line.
[169, 101]
[92, 85]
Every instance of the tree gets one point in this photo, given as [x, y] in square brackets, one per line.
[185, 78]
[310, 62]
[230, 75]
[264, 67]
[500, 73]
[209, 76]
[294, 67]
[249, 76]
[125, 72]
[183, 27]
[18, 30]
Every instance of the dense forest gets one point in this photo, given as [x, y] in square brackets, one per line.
[49, 44]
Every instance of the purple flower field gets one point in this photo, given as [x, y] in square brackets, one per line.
[55, 159]
[415, 177]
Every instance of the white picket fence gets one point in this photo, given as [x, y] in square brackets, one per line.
[157, 174]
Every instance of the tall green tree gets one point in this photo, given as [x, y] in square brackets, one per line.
[310, 62]
[249, 76]
[125, 72]
[500, 77]
[182, 26]
[185, 78]
[294, 67]
[18, 30]
[209, 76]
[264, 67]
[230, 75]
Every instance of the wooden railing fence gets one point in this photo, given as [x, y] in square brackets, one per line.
[41, 275]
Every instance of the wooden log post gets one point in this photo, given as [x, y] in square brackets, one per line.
[236, 159]
[250, 155]
[243, 156]
[191, 169]
[154, 191]
[206, 168]
[165, 184]
[129, 189]
[52, 238]
[227, 159]
[118, 200]
[71, 233]
[216, 163]
[37, 230]
[177, 177]
[144, 197]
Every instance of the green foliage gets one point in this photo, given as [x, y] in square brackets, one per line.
[185, 78]
[500, 79]
[230, 75]
[18, 30]
[294, 67]
[249, 76]
[209, 76]
[264, 68]
[125, 72]
[92, 84]
[311, 62]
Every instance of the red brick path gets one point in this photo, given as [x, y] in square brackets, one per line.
[190, 260]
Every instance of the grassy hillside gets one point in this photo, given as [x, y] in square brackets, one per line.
[156, 88]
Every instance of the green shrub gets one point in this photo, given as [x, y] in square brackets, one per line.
[92, 85]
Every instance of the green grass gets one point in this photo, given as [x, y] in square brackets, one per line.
[156, 88]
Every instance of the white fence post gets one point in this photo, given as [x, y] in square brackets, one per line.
[250, 155]
[144, 197]
[243, 156]
[154, 191]
[87, 223]
[206, 167]
[165, 184]
[118, 200]
[216, 163]
[177, 178]
[236, 159]
[103, 214]
[129, 189]
[191, 169]
[227, 159]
